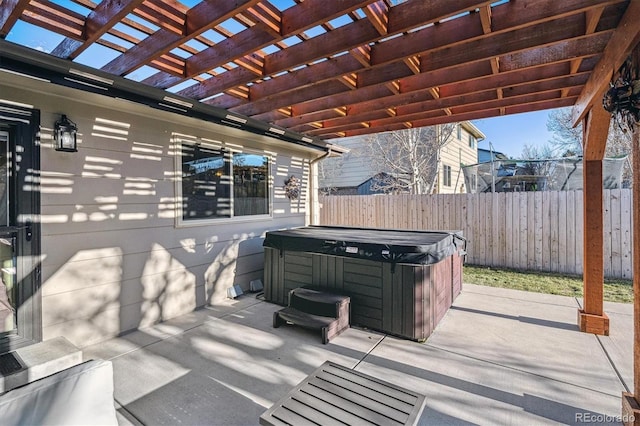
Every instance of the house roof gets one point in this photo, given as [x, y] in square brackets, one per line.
[486, 154]
[330, 69]
[471, 128]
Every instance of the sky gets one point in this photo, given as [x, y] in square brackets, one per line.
[510, 133]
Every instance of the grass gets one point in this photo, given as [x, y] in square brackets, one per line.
[544, 282]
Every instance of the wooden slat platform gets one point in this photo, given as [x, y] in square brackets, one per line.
[334, 395]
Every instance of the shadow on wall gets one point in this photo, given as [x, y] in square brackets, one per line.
[116, 261]
[178, 289]
[94, 296]
[239, 262]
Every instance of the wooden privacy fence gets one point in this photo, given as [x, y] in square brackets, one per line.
[521, 230]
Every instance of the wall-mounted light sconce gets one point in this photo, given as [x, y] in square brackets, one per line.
[65, 135]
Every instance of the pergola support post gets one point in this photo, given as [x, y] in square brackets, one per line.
[591, 318]
[630, 404]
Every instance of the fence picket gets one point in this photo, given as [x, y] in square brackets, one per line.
[625, 234]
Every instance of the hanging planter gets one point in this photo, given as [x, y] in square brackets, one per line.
[622, 100]
[292, 188]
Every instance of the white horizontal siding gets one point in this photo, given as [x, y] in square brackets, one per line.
[112, 256]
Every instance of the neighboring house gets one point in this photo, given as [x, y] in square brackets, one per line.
[353, 173]
[368, 187]
[463, 149]
[486, 155]
[156, 214]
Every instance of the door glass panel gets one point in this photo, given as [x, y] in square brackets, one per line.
[8, 289]
[4, 179]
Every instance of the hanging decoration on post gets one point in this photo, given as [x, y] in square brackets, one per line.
[292, 188]
[622, 100]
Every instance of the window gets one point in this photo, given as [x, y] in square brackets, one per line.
[250, 184]
[459, 129]
[472, 141]
[446, 175]
[217, 183]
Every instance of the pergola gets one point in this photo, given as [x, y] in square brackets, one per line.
[328, 69]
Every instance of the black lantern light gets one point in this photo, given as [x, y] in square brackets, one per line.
[65, 135]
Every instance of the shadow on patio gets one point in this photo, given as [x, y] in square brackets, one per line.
[498, 357]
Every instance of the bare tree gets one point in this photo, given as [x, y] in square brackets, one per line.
[408, 158]
[329, 168]
[533, 152]
[568, 139]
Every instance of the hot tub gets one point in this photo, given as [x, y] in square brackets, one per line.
[400, 282]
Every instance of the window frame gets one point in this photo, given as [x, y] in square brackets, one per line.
[229, 152]
[446, 175]
[24, 127]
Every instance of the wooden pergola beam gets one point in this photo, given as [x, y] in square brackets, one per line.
[51, 15]
[433, 117]
[487, 100]
[100, 21]
[471, 51]
[207, 14]
[293, 20]
[230, 49]
[399, 19]
[322, 71]
[622, 42]
[307, 76]
[483, 99]
[351, 36]
[464, 77]
[591, 318]
[474, 115]
[463, 80]
[10, 13]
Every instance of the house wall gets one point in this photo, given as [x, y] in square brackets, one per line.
[351, 169]
[453, 154]
[113, 257]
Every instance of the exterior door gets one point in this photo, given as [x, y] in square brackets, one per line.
[8, 289]
[20, 313]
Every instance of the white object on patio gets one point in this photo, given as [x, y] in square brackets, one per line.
[80, 395]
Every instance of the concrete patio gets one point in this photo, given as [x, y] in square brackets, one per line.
[498, 357]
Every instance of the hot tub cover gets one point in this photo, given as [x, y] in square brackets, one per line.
[382, 245]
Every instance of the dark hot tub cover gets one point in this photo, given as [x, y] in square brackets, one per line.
[381, 245]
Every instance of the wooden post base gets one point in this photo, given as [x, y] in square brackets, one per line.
[596, 324]
[630, 410]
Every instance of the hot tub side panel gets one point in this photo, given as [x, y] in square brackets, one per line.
[284, 271]
[405, 300]
[441, 289]
[363, 280]
[456, 284]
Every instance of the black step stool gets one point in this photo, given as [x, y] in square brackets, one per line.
[315, 310]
